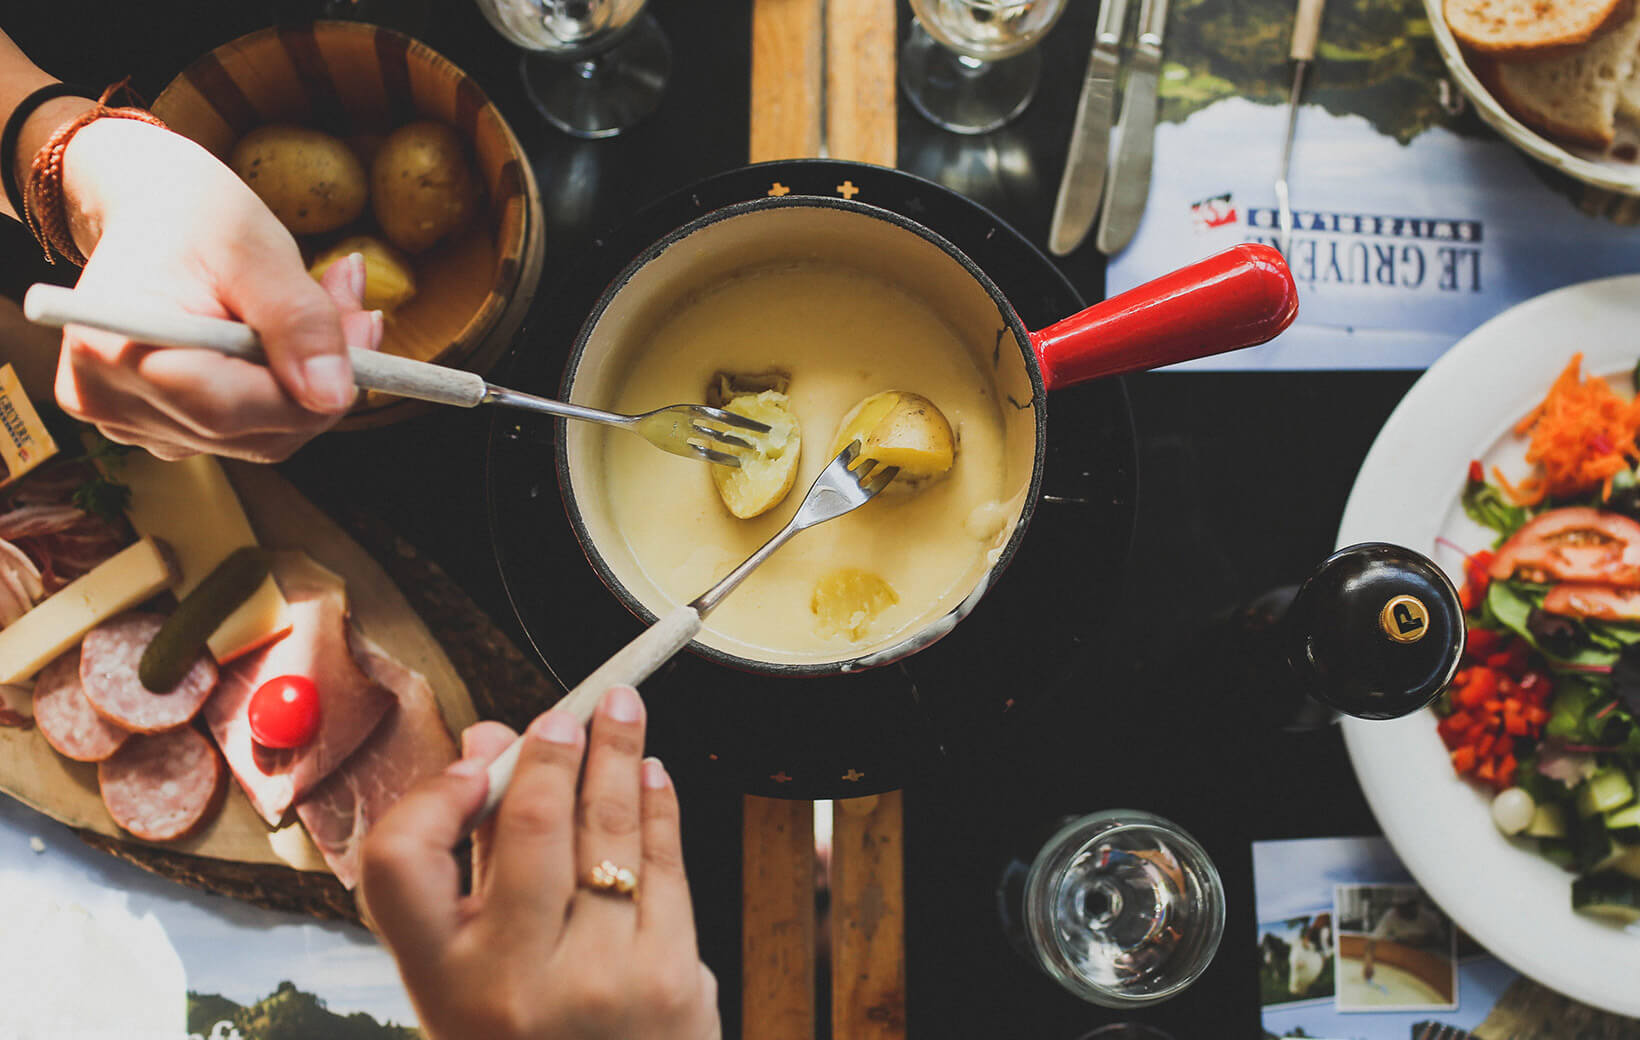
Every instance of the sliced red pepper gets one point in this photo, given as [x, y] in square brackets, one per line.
[1477, 472]
[1463, 759]
[1481, 643]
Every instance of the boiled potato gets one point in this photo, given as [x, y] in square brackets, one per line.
[763, 479]
[311, 181]
[422, 187]
[388, 279]
[899, 428]
[846, 601]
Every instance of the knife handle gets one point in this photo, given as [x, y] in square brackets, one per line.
[1306, 29]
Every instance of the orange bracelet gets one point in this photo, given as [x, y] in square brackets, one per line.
[45, 205]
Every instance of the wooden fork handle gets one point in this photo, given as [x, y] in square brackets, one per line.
[170, 327]
[631, 665]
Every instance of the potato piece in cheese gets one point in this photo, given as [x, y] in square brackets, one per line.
[118, 583]
[190, 506]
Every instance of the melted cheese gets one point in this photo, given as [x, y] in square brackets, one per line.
[841, 336]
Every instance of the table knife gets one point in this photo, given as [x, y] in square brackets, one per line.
[1306, 32]
[1083, 183]
[1130, 177]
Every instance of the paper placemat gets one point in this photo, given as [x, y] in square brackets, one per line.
[1414, 222]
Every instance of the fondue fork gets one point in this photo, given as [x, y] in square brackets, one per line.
[837, 490]
[689, 430]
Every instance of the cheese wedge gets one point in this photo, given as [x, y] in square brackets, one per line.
[118, 583]
[190, 506]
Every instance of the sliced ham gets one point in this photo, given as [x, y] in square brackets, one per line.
[1572, 544]
[109, 656]
[411, 744]
[351, 705]
[66, 719]
[20, 583]
[161, 787]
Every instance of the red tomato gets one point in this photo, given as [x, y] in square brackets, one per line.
[284, 712]
[1573, 544]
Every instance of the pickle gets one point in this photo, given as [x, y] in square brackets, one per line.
[182, 638]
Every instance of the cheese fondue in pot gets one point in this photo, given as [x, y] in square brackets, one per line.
[841, 334]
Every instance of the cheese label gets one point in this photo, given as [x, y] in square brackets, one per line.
[24, 440]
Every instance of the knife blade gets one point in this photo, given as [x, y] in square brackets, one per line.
[1130, 177]
[1306, 33]
[1083, 183]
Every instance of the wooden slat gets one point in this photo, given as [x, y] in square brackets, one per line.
[777, 920]
[860, 80]
[787, 36]
[867, 867]
[868, 919]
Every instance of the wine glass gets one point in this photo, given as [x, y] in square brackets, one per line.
[971, 65]
[1122, 908]
[592, 67]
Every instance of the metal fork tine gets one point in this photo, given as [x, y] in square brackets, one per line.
[721, 458]
[728, 418]
[881, 480]
[851, 452]
[864, 469]
[719, 436]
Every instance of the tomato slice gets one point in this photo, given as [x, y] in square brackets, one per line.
[284, 712]
[1577, 544]
[1585, 600]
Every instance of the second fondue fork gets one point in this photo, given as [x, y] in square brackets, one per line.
[690, 430]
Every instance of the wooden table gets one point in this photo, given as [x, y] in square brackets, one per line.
[823, 83]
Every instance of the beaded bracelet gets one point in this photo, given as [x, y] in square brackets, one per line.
[45, 205]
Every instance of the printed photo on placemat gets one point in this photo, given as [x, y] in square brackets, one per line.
[1413, 222]
[1396, 950]
[1296, 959]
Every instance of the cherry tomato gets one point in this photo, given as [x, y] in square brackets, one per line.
[284, 712]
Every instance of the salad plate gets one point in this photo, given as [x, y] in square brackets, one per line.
[1511, 900]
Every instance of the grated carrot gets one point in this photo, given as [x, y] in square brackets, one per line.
[1582, 435]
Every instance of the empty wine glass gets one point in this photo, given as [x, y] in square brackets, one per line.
[1122, 908]
[972, 65]
[592, 67]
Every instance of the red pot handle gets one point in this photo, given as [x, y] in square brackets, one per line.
[1237, 298]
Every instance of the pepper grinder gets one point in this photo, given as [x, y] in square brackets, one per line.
[1375, 632]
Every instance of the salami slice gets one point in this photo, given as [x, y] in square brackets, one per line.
[163, 786]
[109, 656]
[66, 718]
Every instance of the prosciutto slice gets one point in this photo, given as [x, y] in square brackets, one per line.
[20, 583]
[351, 704]
[412, 743]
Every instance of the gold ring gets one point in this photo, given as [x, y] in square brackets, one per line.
[609, 879]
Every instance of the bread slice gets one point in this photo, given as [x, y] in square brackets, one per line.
[1530, 28]
[1573, 96]
[1628, 95]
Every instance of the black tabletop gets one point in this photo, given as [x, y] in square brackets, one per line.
[1242, 479]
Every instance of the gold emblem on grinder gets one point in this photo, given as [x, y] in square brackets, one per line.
[1404, 619]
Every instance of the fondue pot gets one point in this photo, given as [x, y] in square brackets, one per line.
[1235, 299]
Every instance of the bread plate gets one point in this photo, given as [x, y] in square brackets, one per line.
[1588, 165]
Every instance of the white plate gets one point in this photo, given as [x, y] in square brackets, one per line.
[1514, 902]
[1586, 164]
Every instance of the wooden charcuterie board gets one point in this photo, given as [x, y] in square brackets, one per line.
[279, 868]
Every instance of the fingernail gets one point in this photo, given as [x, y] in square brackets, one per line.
[378, 329]
[557, 727]
[654, 774]
[355, 275]
[621, 703]
[465, 768]
[329, 381]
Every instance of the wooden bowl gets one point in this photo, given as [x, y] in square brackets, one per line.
[359, 82]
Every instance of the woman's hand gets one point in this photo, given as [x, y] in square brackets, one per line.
[532, 952]
[162, 219]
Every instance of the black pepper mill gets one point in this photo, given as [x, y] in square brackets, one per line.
[1375, 632]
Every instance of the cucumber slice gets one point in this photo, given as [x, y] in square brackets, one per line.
[1616, 896]
[1606, 790]
[1548, 821]
[1628, 816]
